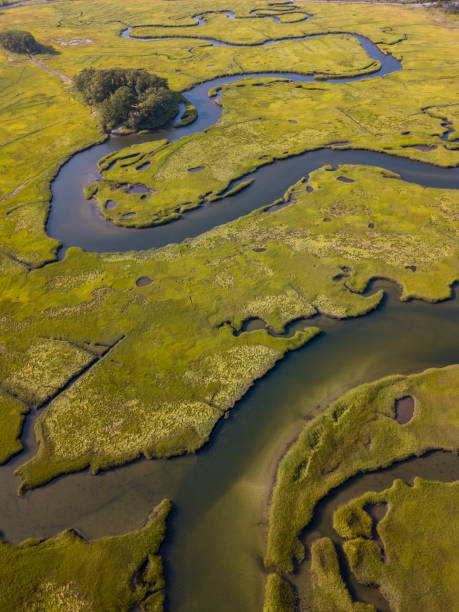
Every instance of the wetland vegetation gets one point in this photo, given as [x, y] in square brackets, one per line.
[206, 287]
[404, 548]
[69, 572]
[115, 356]
[360, 433]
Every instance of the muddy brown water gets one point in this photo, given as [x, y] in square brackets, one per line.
[377, 511]
[404, 409]
[216, 536]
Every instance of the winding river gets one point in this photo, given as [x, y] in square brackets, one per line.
[215, 541]
[75, 222]
[201, 20]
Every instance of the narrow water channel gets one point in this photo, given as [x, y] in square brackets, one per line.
[215, 541]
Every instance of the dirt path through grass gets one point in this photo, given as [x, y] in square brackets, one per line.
[58, 74]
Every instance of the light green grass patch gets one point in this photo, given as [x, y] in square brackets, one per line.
[328, 589]
[279, 595]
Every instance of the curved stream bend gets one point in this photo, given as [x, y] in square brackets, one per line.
[75, 222]
[200, 18]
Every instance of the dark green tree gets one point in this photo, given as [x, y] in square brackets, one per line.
[135, 97]
[20, 41]
[116, 109]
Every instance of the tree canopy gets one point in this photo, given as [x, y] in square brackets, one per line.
[132, 97]
[20, 41]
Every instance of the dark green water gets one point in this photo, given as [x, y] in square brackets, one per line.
[216, 534]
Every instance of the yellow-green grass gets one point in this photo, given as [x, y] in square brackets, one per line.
[279, 119]
[178, 367]
[358, 433]
[71, 574]
[419, 538]
[249, 134]
[328, 591]
[279, 595]
[96, 27]
[41, 124]
[12, 412]
[372, 113]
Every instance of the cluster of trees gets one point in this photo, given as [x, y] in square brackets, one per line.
[449, 6]
[20, 41]
[134, 98]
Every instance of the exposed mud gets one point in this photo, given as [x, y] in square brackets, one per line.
[404, 409]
